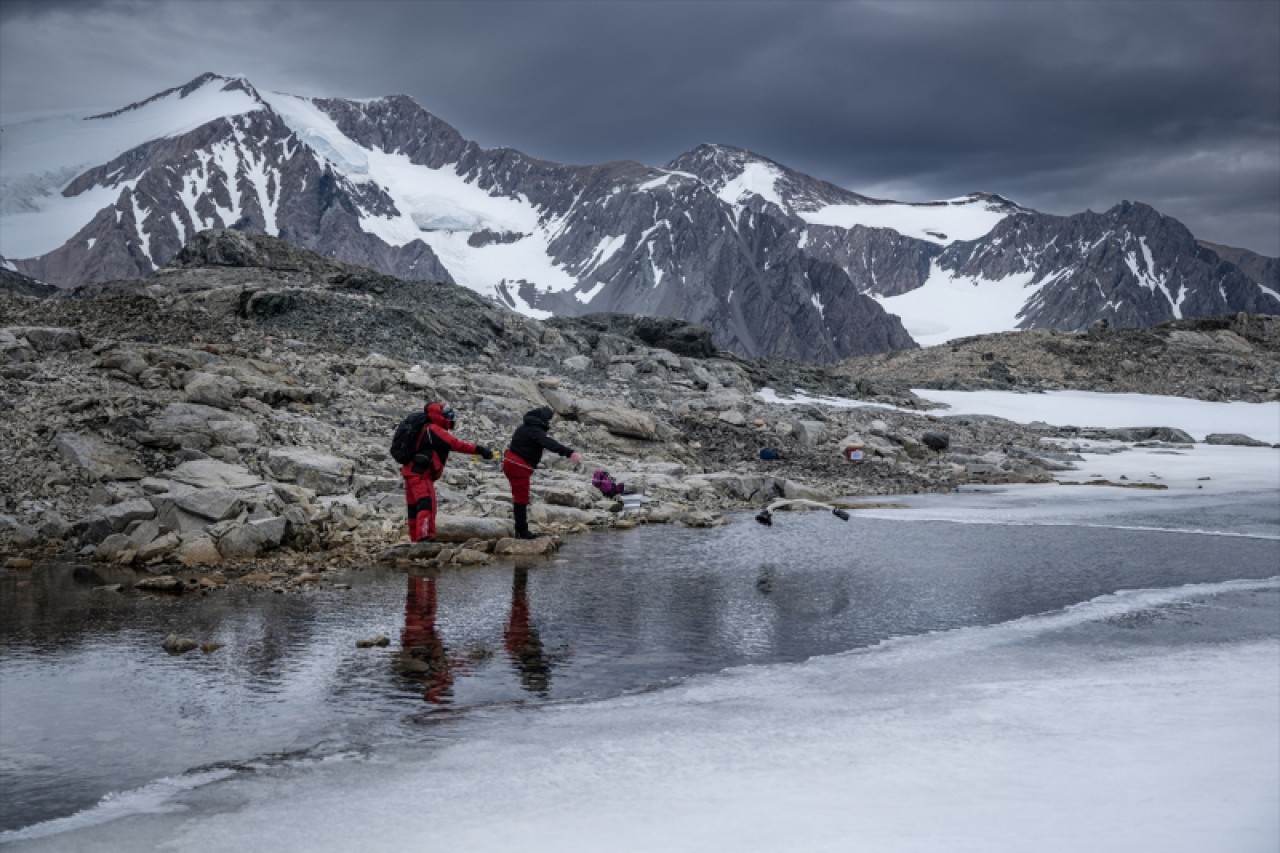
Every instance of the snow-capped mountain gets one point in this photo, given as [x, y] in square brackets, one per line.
[776, 262]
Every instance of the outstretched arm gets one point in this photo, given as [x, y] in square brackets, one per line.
[452, 440]
[554, 446]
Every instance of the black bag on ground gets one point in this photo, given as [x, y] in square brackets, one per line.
[404, 443]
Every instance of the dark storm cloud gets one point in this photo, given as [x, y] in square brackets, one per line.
[1058, 105]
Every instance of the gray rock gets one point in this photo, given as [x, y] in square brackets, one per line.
[460, 528]
[160, 583]
[200, 551]
[321, 472]
[193, 425]
[551, 514]
[1234, 438]
[15, 349]
[113, 549]
[411, 551]
[618, 420]
[210, 473]
[793, 491]
[97, 458]
[211, 504]
[525, 547]
[49, 338]
[175, 645]
[158, 547]
[242, 542]
[210, 390]
[273, 530]
[104, 521]
[178, 521]
[809, 433]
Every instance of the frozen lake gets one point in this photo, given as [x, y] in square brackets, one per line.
[1026, 668]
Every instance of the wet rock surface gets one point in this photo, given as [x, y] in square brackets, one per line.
[228, 418]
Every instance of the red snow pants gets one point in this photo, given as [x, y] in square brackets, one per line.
[420, 501]
[518, 474]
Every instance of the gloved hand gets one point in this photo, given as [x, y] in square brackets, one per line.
[421, 463]
[575, 457]
[484, 452]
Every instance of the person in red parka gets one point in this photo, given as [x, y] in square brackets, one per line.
[432, 454]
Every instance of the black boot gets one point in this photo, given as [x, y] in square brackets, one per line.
[522, 521]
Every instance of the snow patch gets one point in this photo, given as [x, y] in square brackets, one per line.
[941, 223]
[948, 306]
[756, 179]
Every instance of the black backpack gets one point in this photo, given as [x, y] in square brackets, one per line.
[404, 443]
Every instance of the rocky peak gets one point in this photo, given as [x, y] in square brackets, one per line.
[228, 84]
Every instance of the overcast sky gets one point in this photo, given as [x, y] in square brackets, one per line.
[1060, 106]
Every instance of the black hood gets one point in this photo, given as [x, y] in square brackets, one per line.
[539, 417]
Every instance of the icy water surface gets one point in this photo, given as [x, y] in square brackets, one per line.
[90, 704]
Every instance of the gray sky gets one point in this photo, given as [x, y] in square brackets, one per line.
[1060, 106]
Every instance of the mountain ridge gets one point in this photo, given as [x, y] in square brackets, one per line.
[773, 261]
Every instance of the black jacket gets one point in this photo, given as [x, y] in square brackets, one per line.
[530, 438]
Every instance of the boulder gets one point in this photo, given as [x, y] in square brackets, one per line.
[14, 349]
[49, 338]
[97, 458]
[809, 433]
[618, 420]
[322, 473]
[198, 426]
[210, 473]
[566, 497]
[411, 551]
[104, 521]
[1234, 438]
[175, 645]
[207, 389]
[747, 487]
[200, 551]
[416, 377]
[160, 583]
[460, 528]
[273, 530]
[158, 547]
[177, 520]
[549, 514]
[242, 542]
[799, 491]
[126, 362]
[525, 547]
[524, 391]
[114, 549]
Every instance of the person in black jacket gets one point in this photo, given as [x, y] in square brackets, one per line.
[522, 458]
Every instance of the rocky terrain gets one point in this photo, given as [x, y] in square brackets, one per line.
[227, 419]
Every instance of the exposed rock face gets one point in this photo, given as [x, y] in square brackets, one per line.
[1129, 266]
[1214, 358]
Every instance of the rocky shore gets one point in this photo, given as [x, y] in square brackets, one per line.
[227, 420]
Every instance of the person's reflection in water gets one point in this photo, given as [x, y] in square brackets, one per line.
[423, 656]
[522, 641]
